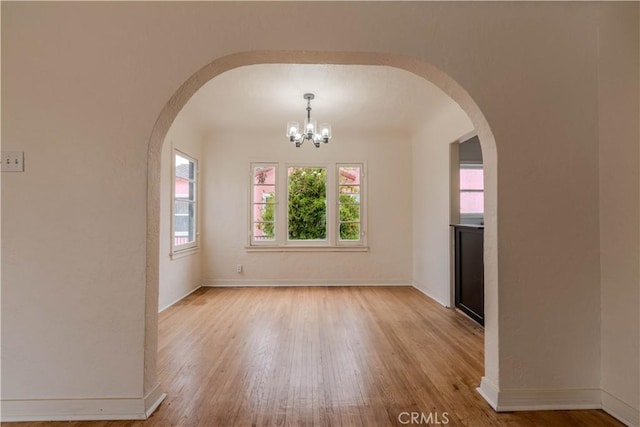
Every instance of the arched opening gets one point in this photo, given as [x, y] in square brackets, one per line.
[419, 68]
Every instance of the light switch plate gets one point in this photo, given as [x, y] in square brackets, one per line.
[13, 161]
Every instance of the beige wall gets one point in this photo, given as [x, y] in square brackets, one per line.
[83, 84]
[388, 261]
[179, 275]
[619, 212]
[431, 201]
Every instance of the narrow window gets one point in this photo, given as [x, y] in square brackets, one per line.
[263, 212]
[307, 203]
[349, 203]
[184, 202]
[471, 193]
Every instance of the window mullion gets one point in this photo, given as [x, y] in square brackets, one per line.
[281, 205]
[331, 200]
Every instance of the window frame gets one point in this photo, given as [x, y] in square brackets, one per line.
[252, 241]
[328, 217]
[181, 249]
[363, 202]
[477, 216]
[332, 242]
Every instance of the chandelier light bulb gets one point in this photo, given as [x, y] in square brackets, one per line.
[325, 132]
[293, 129]
[310, 128]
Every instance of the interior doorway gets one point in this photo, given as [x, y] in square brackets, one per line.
[189, 88]
[467, 228]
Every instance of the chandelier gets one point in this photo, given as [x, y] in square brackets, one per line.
[310, 132]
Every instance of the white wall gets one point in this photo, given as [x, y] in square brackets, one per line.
[81, 100]
[619, 211]
[431, 201]
[181, 275]
[226, 182]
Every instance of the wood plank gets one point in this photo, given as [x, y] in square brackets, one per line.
[323, 356]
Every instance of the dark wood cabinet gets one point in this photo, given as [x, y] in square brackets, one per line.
[469, 270]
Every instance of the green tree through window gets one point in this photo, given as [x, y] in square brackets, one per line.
[307, 207]
[307, 204]
[269, 215]
[349, 218]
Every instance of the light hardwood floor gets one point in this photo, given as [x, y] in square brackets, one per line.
[337, 356]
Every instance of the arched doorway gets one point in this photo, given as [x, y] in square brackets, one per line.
[420, 68]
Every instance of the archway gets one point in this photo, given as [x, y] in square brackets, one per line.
[420, 68]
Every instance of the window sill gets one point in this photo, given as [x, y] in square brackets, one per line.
[307, 248]
[184, 252]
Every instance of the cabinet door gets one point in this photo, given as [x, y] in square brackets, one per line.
[470, 272]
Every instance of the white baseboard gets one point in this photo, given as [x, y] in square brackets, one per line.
[179, 299]
[620, 410]
[542, 400]
[81, 409]
[438, 300]
[546, 400]
[16, 410]
[152, 400]
[73, 409]
[285, 283]
[539, 400]
[489, 392]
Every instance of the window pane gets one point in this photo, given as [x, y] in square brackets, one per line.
[264, 212]
[350, 198]
[349, 175]
[471, 179]
[264, 231]
[264, 194]
[185, 186]
[349, 189]
[183, 189]
[471, 202]
[183, 223]
[184, 205]
[307, 203]
[350, 231]
[185, 168]
[264, 175]
[350, 213]
[264, 199]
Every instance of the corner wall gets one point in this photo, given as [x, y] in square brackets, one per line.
[431, 201]
[181, 275]
[619, 99]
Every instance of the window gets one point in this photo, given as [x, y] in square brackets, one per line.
[471, 192]
[263, 212]
[184, 230]
[306, 203]
[324, 205]
[349, 207]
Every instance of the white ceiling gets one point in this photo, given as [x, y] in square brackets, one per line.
[354, 97]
